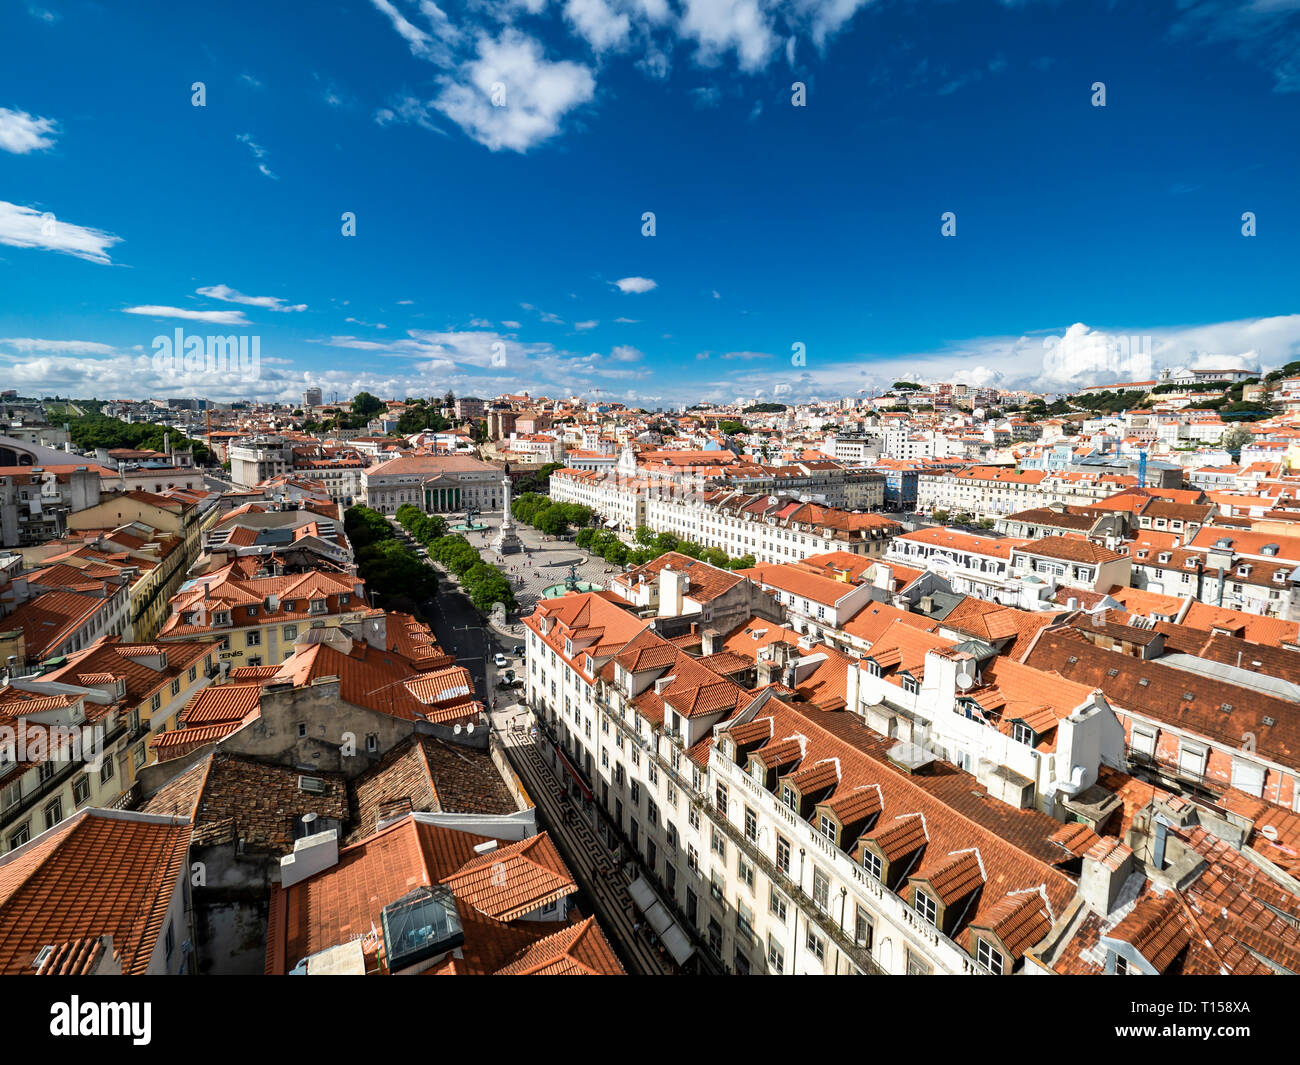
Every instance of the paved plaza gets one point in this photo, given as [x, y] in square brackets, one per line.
[542, 563]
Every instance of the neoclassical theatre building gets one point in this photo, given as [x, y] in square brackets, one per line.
[434, 483]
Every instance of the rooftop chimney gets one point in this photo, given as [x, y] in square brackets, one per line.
[311, 855]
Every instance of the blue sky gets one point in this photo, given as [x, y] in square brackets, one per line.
[499, 243]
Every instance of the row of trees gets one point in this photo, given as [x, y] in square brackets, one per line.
[483, 583]
[537, 481]
[962, 517]
[549, 517]
[391, 570]
[650, 545]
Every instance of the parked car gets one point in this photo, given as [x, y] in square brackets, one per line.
[499, 661]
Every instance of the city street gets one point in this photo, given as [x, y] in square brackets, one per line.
[458, 626]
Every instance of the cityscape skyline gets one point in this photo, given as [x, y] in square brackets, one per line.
[500, 248]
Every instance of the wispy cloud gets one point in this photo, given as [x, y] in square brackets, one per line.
[259, 153]
[229, 295]
[211, 317]
[65, 347]
[25, 227]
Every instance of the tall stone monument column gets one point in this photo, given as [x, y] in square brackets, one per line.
[506, 541]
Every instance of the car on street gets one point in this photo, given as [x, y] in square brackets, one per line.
[499, 661]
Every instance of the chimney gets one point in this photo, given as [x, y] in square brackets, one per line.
[708, 642]
[311, 855]
[1106, 866]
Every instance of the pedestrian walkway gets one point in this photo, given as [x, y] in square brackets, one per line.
[543, 563]
[591, 861]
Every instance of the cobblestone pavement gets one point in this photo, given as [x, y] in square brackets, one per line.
[588, 857]
[543, 562]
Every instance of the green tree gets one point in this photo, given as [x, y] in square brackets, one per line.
[743, 562]
[1236, 438]
[366, 405]
[644, 535]
[364, 526]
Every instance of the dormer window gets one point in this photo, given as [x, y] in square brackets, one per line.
[924, 906]
[988, 957]
[910, 685]
[1279, 577]
[252, 611]
[1243, 571]
[287, 605]
[317, 606]
[788, 797]
[1164, 557]
[873, 667]
[1022, 733]
[221, 617]
[828, 827]
[1190, 563]
[872, 864]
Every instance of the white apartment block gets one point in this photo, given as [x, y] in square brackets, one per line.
[770, 528]
[785, 845]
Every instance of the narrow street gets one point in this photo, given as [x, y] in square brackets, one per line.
[461, 631]
[604, 884]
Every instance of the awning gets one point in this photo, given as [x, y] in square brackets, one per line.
[586, 791]
[612, 523]
[665, 927]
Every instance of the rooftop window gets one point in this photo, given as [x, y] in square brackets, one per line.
[421, 924]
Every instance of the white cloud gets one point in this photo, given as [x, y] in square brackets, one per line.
[722, 26]
[535, 94]
[259, 153]
[598, 23]
[229, 295]
[625, 353]
[24, 227]
[21, 133]
[586, 325]
[627, 321]
[212, 317]
[635, 284]
[66, 347]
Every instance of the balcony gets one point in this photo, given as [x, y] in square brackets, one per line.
[811, 911]
[1171, 769]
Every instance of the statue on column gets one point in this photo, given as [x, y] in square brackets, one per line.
[506, 541]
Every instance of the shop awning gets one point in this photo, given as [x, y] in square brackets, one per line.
[612, 523]
[665, 927]
[586, 791]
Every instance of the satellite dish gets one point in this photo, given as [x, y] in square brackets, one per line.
[456, 729]
[1269, 833]
[469, 727]
[964, 681]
